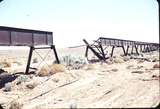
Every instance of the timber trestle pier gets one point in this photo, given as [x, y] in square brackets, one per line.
[99, 47]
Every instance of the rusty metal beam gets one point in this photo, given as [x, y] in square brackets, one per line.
[55, 53]
[95, 52]
[112, 50]
[31, 52]
[102, 41]
[10, 36]
[29, 60]
[86, 53]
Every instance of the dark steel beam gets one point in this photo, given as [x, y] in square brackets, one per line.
[55, 53]
[136, 48]
[127, 51]
[112, 50]
[10, 36]
[95, 53]
[124, 50]
[29, 60]
[101, 48]
[86, 53]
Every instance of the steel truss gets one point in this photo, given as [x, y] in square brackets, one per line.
[32, 48]
[99, 47]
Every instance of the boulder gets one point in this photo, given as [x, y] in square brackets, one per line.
[7, 87]
[156, 66]
[2, 71]
[114, 70]
[5, 78]
[31, 85]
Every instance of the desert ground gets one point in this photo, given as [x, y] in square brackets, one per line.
[120, 82]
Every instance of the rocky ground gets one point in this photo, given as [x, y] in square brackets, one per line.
[120, 82]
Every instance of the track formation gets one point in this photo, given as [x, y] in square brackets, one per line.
[99, 47]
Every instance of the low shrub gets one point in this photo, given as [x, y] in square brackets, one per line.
[51, 69]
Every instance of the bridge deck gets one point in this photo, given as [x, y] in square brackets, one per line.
[10, 36]
[99, 47]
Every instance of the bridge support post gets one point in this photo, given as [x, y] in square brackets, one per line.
[136, 48]
[112, 50]
[123, 50]
[55, 53]
[127, 51]
[29, 59]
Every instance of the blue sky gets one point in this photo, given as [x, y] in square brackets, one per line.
[72, 20]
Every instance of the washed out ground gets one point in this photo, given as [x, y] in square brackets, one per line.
[120, 82]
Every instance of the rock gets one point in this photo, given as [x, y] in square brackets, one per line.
[114, 56]
[156, 66]
[138, 71]
[154, 60]
[73, 104]
[140, 61]
[109, 62]
[35, 60]
[139, 67]
[2, 71]
[31, 85]
[7, 87]
[1, 107]
[126, 58]
[5, 78]
[156, 77]
[98, 85]
[153, 76]
[59, 99]
[55, 80]
[148, 60]
[114, 70]
[130, 66]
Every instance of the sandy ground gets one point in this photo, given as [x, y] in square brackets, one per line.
[121, 84]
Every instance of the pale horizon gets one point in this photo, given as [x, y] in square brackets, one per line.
[73, 20]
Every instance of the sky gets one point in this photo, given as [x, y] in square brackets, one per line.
[73, 20]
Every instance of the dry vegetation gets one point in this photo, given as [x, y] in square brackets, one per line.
[51, 69]
[5, 64]
[120, 82]
[15, 105]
